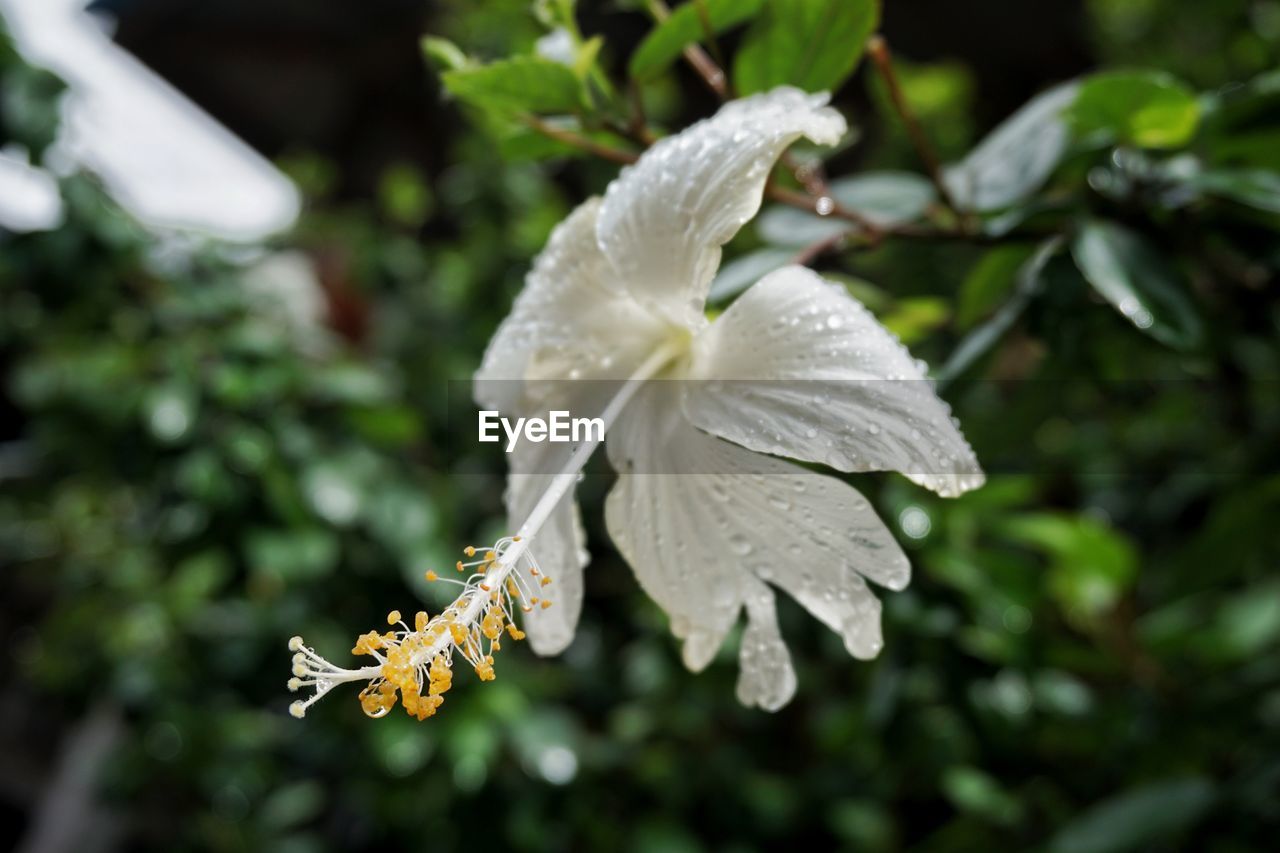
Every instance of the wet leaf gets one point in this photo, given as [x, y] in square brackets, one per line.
[1256, 188]
[519, 84]
[1149, 109]
[687, 25]
[1136, 817]
[813, 44]
[1016, 158]
[1133, 277]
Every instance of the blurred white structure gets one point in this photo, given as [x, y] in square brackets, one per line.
[162, 158]
[29, 199]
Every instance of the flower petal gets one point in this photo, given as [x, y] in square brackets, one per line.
[765, 675]
[565, 320]
[664, 219]
[702, 522]
[816, 378]
[560, 545]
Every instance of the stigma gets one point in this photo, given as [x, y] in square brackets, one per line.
[413, 665]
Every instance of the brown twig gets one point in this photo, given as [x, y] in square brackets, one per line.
[704, 17]
[834, 243]
[868, 233]
[817, 204]
[638, 128]
[568, 137]
[878, 48]
[708, 69]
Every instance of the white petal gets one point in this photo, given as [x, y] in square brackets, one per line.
[702, 522]
[816, 378]
[565, 320]
[561, 554]
[765, 677]
[664, 219]
[669, 528]
[559, 546]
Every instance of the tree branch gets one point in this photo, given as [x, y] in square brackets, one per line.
[878, 48]
[868, 233]
[568, 137]
[711, 73]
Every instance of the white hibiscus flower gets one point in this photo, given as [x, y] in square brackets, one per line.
[794, 367]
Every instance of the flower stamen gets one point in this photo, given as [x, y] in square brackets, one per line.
[414, 665]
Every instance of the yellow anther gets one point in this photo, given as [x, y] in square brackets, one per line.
[431, 576]
[545, 604]
[490, 556]
[516, 633]
[420, 621]
[515, 538]
[470, 550]
[366, 643]
[546, 581]
[393, 617]
[458, 565]
[533, 600]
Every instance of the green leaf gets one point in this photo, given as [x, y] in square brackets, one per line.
[1133, 277]
[1016, 158]
[884, 198]
[813, 44]
[30, 108]
[912, 319]
[1147, 109]
[1092, 564]
[587, 55]
[1257, 188]
[518, 143]
[443, 53]
[989, 280]
[972, 790]
[1136, 817]
[520, 84]
[1239, 124]
[1248, 623]
[292, 804]
[740, 273]
[1029, 281]
[292, 555]
[685, 26]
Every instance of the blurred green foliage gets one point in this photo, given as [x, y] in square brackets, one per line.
[200, 467]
